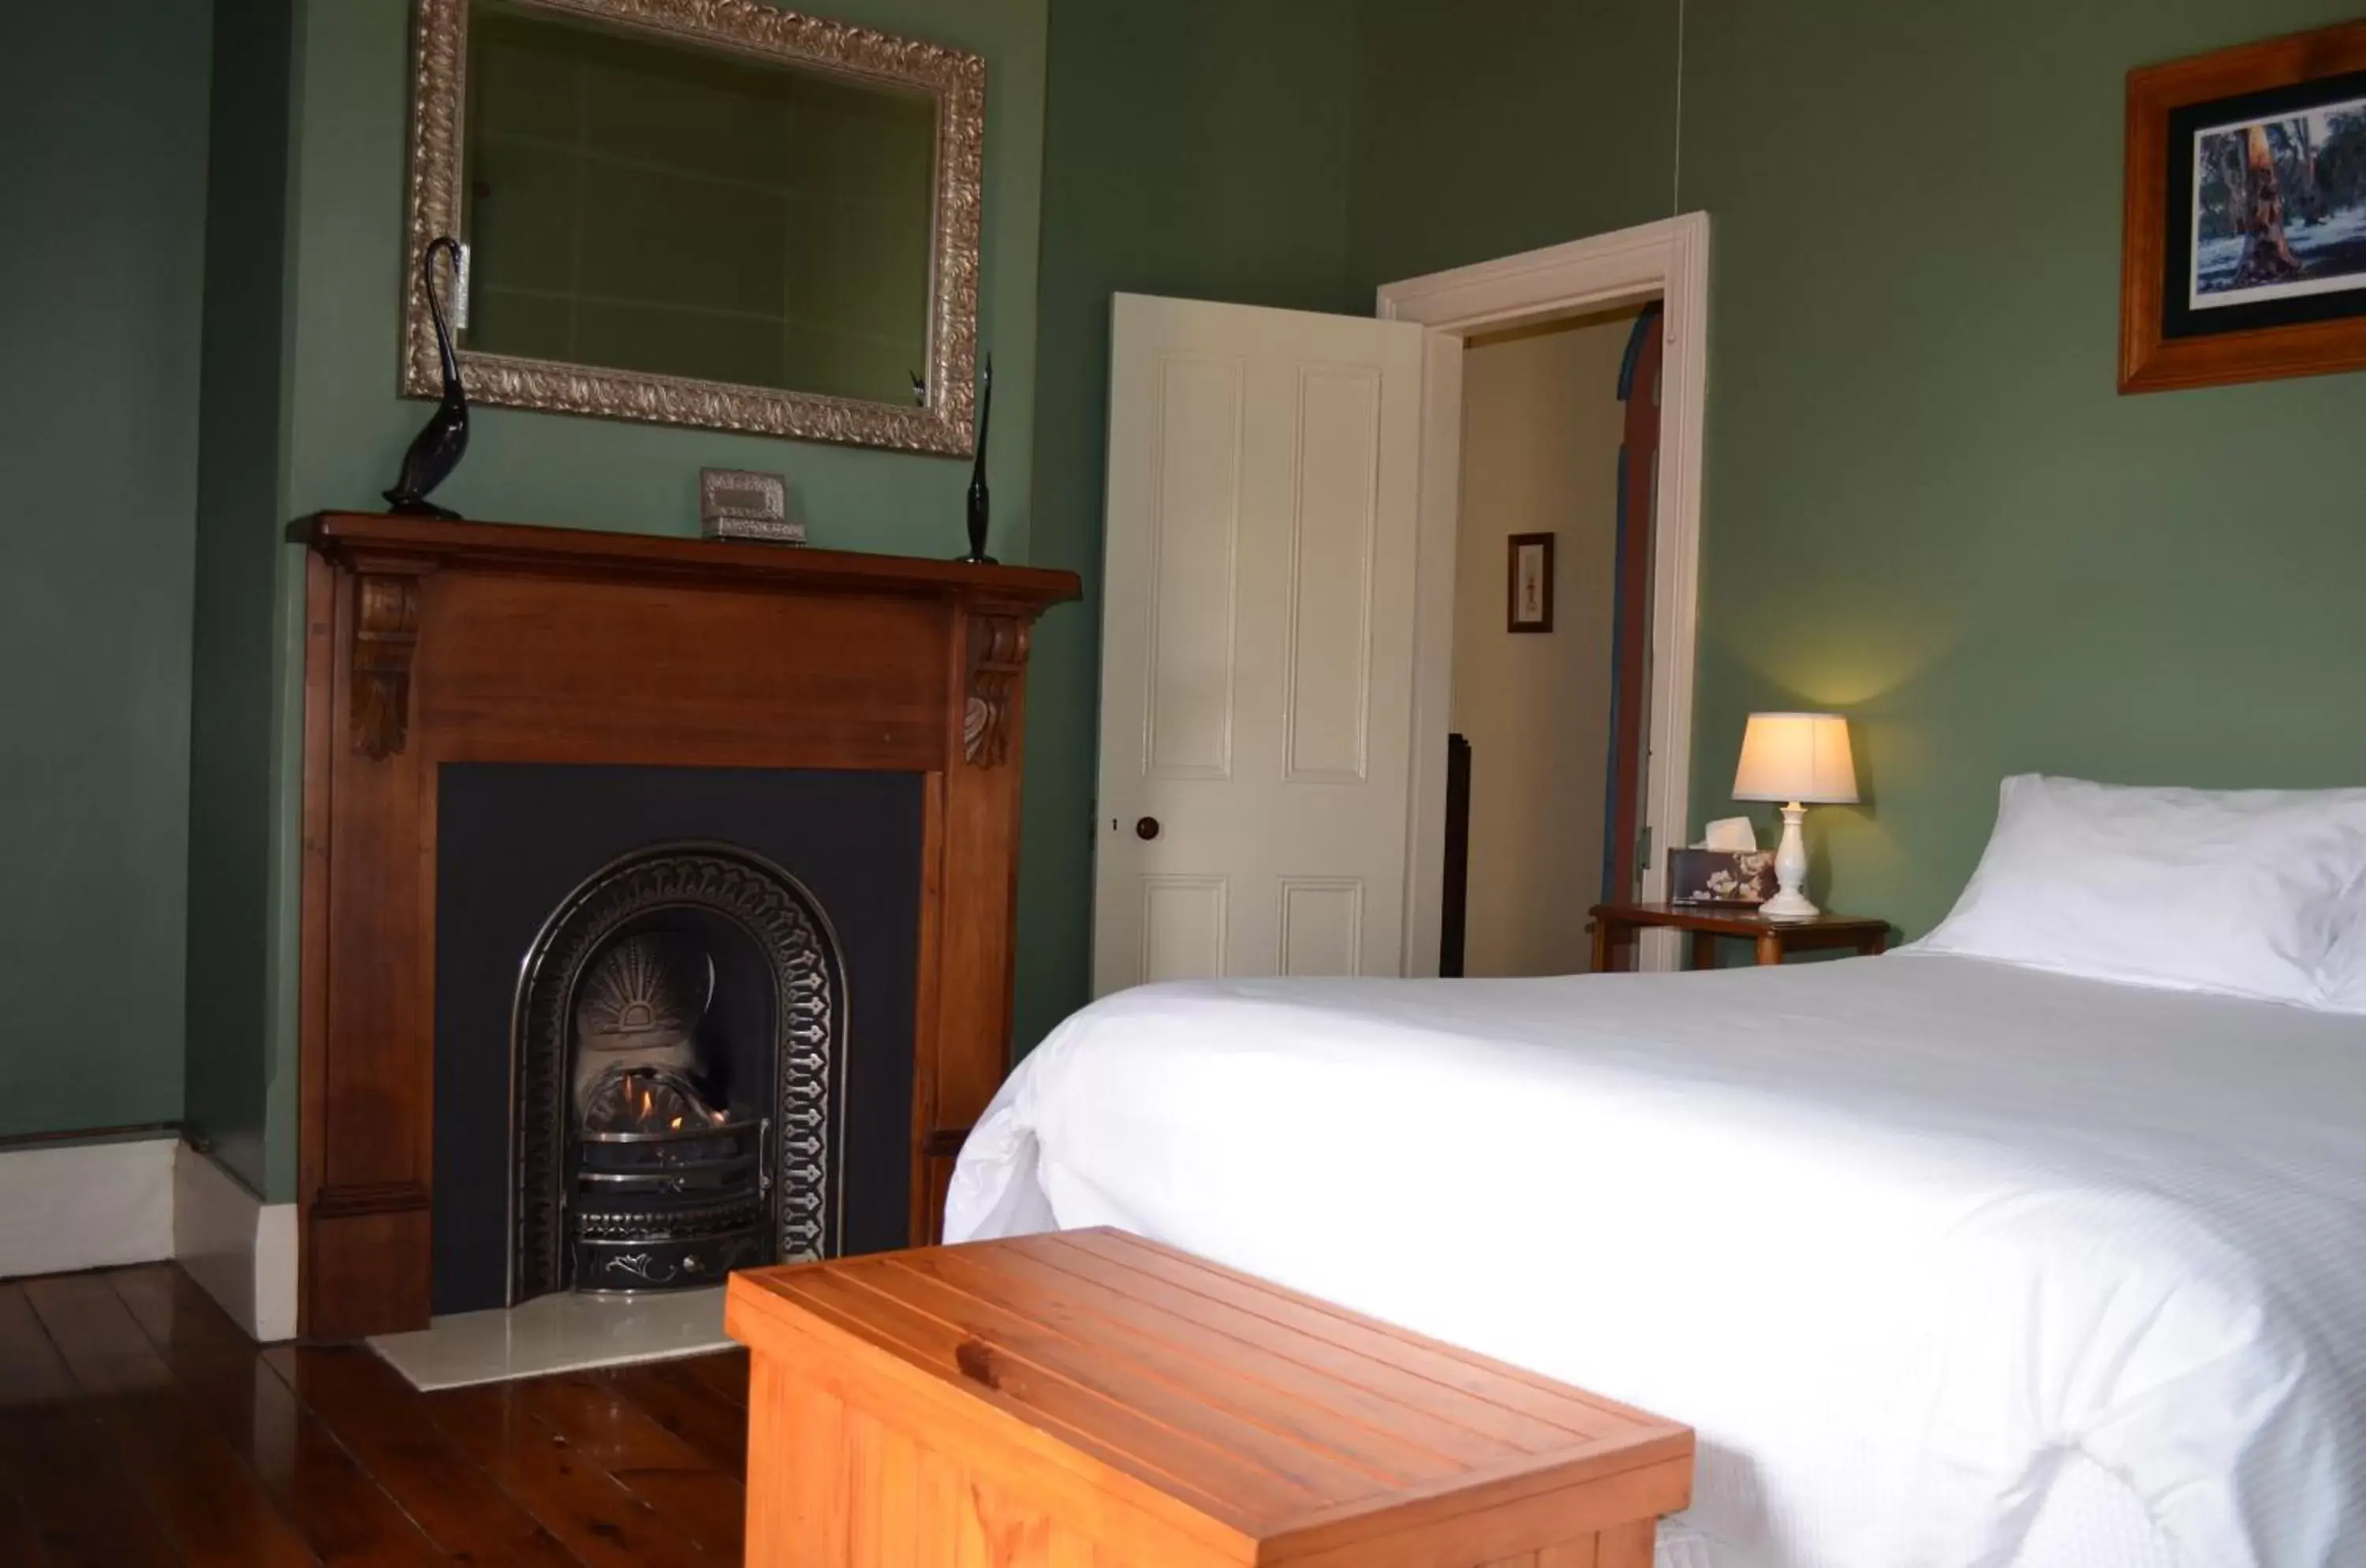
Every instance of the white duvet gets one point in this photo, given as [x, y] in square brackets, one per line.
[1910, 1241]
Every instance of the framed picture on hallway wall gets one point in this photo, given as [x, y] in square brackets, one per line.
[2244, 252]
[1529, 596]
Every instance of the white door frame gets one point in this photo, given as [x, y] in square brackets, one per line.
[1669, 261]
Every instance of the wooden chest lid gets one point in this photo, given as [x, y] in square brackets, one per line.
[1297, 1426]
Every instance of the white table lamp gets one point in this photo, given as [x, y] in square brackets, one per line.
[1796, 760]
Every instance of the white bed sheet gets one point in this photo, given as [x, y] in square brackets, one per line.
[1908, 1240]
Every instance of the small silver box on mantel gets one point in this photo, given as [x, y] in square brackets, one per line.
[734, 503]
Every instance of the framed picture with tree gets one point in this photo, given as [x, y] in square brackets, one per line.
[2243, 255]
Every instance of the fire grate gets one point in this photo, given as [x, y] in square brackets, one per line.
[669, 1189]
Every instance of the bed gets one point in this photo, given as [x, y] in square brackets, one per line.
[1949, 1261]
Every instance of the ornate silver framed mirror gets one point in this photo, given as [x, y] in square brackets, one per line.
[700, 212]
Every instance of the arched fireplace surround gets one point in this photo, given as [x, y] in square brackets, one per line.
[761, 1183]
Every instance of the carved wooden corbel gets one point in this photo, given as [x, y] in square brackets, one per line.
[997, 659]
[386, 636]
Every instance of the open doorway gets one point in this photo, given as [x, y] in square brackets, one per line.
[1278, 574]
[1551, 643]
[1527, 298]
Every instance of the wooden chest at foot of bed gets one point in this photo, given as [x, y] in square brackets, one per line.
[1092, 1400]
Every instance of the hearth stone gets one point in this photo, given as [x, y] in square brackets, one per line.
[560, 1333]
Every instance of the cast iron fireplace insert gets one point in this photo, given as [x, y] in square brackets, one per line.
[674, 1014]
[679, 1093]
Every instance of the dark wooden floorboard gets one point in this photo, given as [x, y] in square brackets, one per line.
[680, 1401]
[593, 1514]
[725, 1374]
[139, 1426]
[605, 1427]
[384, 1424]
[343, 1515]
[207, 1500]
[57, 1461]
[20, 1542]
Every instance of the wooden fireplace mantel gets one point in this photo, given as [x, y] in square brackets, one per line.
[429, 642]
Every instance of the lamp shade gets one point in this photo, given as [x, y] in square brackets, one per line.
[1800, 757]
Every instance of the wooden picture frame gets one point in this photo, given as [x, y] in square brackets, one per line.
[2225, 274]
[1528, 584]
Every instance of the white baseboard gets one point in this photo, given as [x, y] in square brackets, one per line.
[70, 1206]
[242, 1249]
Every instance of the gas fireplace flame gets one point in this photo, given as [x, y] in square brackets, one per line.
[649, 1100]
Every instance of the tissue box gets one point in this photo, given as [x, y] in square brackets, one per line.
[1720, 876]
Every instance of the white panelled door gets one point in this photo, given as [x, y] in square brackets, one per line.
[1257, 643]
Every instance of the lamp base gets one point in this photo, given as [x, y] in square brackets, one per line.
[1790, 871]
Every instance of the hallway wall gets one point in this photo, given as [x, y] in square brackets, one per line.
[1541, 425]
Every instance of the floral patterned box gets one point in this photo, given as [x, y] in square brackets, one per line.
[1720, 876]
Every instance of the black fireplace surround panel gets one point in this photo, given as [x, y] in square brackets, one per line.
[514, 841]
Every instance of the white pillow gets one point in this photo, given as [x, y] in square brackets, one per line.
[2238, 891]
[2345, 969]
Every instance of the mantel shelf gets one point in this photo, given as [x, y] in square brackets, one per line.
[355, 539]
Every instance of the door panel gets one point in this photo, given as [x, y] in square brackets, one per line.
[1182, 927]
[1331, 577]
[1194, 538]
[1321, 925]
[1257, 643]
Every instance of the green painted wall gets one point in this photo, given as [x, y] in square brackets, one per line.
[345, 428]
[1204, 148]
[102, 153]
[240, 473]
[1926, 505]
[1492, 127]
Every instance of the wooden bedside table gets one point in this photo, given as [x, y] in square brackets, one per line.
[1615, 925]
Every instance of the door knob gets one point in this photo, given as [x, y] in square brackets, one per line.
[1146, 828]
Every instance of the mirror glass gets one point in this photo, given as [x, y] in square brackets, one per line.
[643, 202]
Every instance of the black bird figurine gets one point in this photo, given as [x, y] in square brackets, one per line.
[437, 449]
[977, 495]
